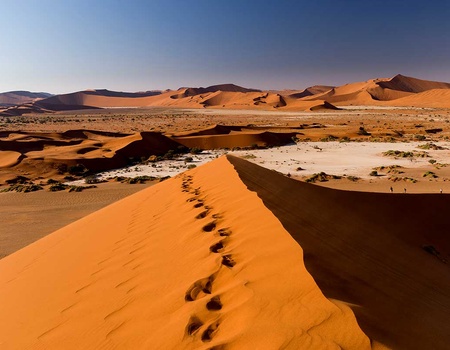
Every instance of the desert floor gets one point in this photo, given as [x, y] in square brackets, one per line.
[27, 217]
[180, 120]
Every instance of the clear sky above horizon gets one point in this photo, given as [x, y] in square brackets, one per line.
[69, 45]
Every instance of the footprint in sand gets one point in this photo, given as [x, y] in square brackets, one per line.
[193, 325]
[224, 232]
[203, 285]
[208, 334]
[202, 215]
[214, 304]
[209, 227]
[217, 247]
[228, 261]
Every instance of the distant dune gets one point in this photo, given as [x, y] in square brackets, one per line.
[50, 154]
[14, 98]
[310, 91]
[195, 262]
[186, 92]
[96, 99]
[44, 154]
[408, 84]
[243, 139]
[374, 92]
[377, 91]
[437, 98]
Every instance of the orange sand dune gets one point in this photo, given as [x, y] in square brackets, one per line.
[438, 98]
[195, 262]
[385, 255]
[48, 154]
[312, 90]
[237, 100]
[186, 92]
[13, 98]
[224, 136]
[107, 152]
[355, 93]
[244, 139]
[51, 154]
[376, 91]
[229, 99]
[9, 158]
[408, 84]
[96, 99]
[226, 96]
[23, 109]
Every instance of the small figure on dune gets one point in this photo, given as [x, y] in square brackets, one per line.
[440, 190]
[404, 190]
[391, 189]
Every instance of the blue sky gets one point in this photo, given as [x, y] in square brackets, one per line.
[62, 46]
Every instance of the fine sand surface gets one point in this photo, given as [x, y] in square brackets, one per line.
[9, 158]
[27, 217]
[195, 262]
[385, 255]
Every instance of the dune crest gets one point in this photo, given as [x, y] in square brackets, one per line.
[196, 262]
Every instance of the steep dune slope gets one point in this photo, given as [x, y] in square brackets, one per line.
[438, 98]
[377, 91]
[312, 90]
[96, 99]
[196, 262]
[409, 84]
[265, 138]
[386, 255]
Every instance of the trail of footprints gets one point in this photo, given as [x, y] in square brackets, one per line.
[203, 287]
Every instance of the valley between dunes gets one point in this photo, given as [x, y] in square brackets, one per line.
[234, 256]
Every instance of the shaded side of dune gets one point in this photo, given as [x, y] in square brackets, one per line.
[140, 146]
[47, 154]
[265, 139]
[383, 254]
[409, 84]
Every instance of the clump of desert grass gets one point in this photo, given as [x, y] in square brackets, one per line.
[390, 169]
[431, 145]
[430, 175]
[405, 154]
[321, 177]
[404, 178]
